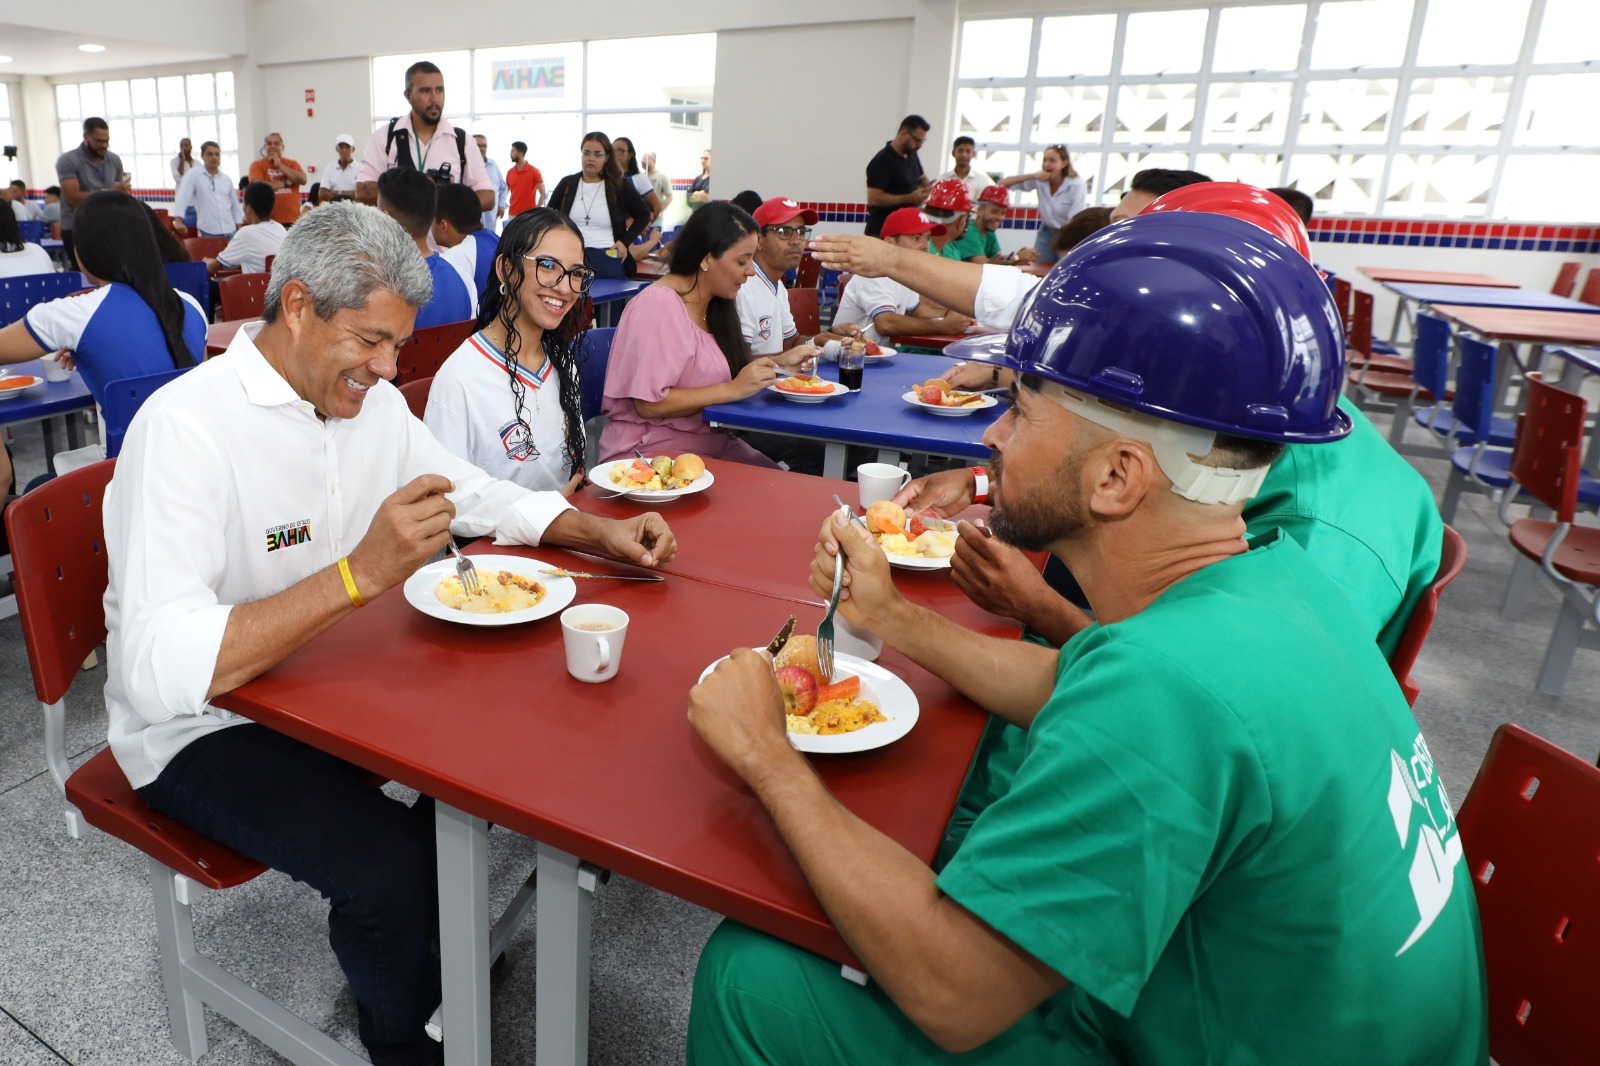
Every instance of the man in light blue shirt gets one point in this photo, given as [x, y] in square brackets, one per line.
[502, 194]
[213, 195]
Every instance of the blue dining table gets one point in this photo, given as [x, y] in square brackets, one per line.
[876, 417]
[44, 402]
[1486, 296]
[609, 293]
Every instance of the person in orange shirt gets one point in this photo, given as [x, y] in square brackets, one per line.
[524, 181]
[284, 175]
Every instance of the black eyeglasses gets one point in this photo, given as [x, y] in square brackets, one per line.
[789, 233]
[549, 272]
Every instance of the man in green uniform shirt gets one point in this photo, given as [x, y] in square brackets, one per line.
[979, 243]
[1226, 840]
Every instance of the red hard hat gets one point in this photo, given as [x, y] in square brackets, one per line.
[996, 194]
[1240, 201]
[948, 194]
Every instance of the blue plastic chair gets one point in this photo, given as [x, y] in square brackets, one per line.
[122, 401]
[592, 360]
[32, 230]
[1484, 465]
[191, 278]
[18, 294]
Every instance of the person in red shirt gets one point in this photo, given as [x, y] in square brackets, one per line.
[524, 181]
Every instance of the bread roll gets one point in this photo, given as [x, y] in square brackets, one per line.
[801, 651]
[688, 466]
[886, 516]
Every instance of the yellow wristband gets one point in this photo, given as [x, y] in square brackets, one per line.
[350, 582]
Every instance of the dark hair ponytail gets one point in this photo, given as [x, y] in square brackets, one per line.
[503, 304]
[712, 230]
[112, 235]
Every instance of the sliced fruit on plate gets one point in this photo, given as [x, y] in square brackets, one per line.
[799, 689]
[809, 386]
[848, 688]
[923, 521]
[640, 471]
[873, 349]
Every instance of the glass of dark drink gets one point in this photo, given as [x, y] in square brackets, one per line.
[852, 366]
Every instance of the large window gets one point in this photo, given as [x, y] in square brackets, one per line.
[1406, 108]
[8, 132]
[149, 116]
[657, 91]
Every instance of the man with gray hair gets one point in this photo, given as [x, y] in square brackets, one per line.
[260, 498]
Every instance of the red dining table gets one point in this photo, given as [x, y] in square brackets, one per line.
[1511, 326]
[220, 334]
[488, 722]
[938, 341]
[1436, 277]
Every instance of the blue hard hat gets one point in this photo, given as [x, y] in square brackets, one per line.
[1195, 318]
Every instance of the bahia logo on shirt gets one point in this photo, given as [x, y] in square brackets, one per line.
[518, 443]
[764, 329]
[289, 534]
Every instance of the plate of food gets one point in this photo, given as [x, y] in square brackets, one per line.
[879, 353]
[863, 706]
[805, 388]
[13, 386]
[936, 396]
[656, 479]
[514, 591]
[922, 541]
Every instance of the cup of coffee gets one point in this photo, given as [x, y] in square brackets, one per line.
[880, 481]
[54, 371]
[593, 634]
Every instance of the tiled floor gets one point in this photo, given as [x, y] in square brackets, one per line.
[78, 977]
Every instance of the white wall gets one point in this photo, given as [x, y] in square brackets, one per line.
[217, 28]
[344, 105]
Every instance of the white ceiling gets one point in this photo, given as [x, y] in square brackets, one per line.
[51, 52]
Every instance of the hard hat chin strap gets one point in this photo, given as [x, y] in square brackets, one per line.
[1173, 443]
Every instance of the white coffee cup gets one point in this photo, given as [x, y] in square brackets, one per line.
[880, 481]
[593, 633]
[850, 640]
[54, 371]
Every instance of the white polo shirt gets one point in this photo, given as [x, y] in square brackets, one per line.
[471, 412]
[341, 179]
[1000, 294]
[250, 245]
[229, 489]
[867, 298]
[764, 314]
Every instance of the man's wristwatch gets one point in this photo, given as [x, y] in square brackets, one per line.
[980, 491]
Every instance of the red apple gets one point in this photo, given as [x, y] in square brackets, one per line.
[799, 689]
[919, 524]
[932, 394]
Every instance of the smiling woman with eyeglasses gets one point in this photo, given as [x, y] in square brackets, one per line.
[507, 400]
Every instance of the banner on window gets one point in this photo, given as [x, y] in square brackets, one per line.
[528, 79]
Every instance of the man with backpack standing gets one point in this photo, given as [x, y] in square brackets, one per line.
[423, 140]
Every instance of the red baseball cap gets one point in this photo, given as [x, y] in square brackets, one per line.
[780, 209]
[908, 222]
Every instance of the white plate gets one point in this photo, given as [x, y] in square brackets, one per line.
[920, 562]
[937, 409]
[892, 695]
[799, 397]
[421, 590]
[601, 476]
[884, 356]
[14, 391]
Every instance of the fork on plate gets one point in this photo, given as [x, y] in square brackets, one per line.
[825, 627]
[465, 570]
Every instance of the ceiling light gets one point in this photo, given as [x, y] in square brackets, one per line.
[91, 48]
[5, 59]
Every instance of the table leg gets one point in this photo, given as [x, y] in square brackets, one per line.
[561, 1007]
[1399, 315]
[889, 455]
[48, 428]
[833, 460]
[74, 430]
[463, 847]
[1504, 362]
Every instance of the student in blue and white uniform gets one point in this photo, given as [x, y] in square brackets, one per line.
[132, 323]
[507, 400]
[408, 197]
[459, 232]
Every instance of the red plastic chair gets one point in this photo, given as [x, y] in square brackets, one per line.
[1591, 288]
[1451, 560]
[243, 295]
[428, 348]
[1566, 279]
[1359, 348]
[808, 273]
[1547, 463]
[267, 264]
[803, 306]
[1530, 830]
[58, 545]
[416, 394]
[1343, 292]
[204, 247]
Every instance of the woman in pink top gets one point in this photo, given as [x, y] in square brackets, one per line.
[679, 348]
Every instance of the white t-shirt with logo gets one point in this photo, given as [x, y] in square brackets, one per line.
[764, 314]
[470, 411]
[867, 298]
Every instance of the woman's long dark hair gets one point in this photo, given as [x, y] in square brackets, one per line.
[168, 246]
[633, 155]
[10, 232]
[712, 230]
[610, 173]
[503, 304]
[111, 232]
